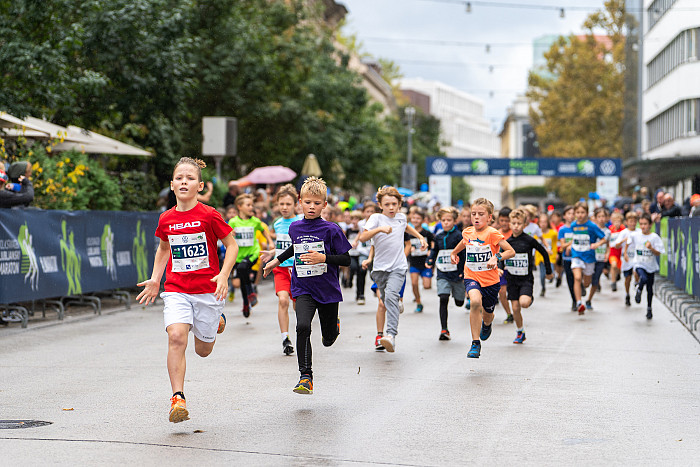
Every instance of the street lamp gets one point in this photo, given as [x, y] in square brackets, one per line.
[408, 174]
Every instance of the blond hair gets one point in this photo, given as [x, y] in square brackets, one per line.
[449, 210]
[241, 198]
[314, 186]
[416, 210]
[631, 215]
[388, 191]
[197, 163]
[519, 213]
[616, 215]
[287, 190]
[484, 202]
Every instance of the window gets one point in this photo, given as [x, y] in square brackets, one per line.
[657, 9]
[682, 49]
[681, 120]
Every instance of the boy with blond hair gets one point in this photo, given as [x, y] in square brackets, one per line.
[482, 243]
[319, 248]
[389, 267]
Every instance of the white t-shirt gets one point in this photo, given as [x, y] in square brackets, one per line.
[533, 230]
[388, 248]
[621, 240]
[643, 257]
[363, 247]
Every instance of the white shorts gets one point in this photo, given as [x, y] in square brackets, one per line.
[200, 311]
[578, 263]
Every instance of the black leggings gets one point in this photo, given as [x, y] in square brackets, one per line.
[444, 300]
[243, 271]
[328, 316]
[356, 270]
[646, 279]
[569, 279]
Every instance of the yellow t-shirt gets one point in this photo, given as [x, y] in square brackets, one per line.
[549, 240]
[262, 241]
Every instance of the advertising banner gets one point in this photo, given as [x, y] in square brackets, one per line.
[681, 264]
[547, 167]
[47, 254]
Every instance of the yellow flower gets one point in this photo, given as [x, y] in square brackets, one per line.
[48, 149]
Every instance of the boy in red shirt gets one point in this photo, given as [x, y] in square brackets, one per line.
[482, 243]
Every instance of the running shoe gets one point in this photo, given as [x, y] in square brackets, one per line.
[581, 308]
[178, 409]
[589, 306]
[388, 342]
[378, 345]
[304, 386]
[475, 351]
[649, 314]
[400, 306]
[485, 331]
[638, 295]
[253, 299]
[558, 284]
[361, 301]
[520, 338]
[231, 296]
[627, 300]
[222, 324]
[419, 308]
[573, 306]
[444, 335]
[468, 305]
[508, 320]
[287, 347]
[246, 310]
[328, 343]
[613, 286]
[542, 293]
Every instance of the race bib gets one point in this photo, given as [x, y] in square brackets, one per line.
[282, 242]
[308, 270]
[444, 263]
[582, 242]
[644, 256]
[478, 256]
[415, 250]
[600, 253]
[189, 252]
[518, 265]
[613, 238]
[548, 243]
[245, 236]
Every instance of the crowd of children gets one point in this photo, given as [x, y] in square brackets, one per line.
[480, 258]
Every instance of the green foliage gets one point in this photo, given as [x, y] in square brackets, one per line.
[139, 191]
[461, 190]
[528, 191]
[426, 140]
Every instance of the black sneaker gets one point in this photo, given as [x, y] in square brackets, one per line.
[638, 295]
[508, 320]
[649, 314]
[558, 284]
[444, 335]
[614, 286]
[627, 301]
[542, 293]
[327, 342]
[287, 347]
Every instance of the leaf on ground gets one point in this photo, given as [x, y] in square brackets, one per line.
[358, 370]
[68, 410]
[199, 431]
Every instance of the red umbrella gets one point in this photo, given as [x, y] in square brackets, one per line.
[270, 174]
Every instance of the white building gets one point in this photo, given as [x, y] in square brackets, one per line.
[670, 136]
[465, 132]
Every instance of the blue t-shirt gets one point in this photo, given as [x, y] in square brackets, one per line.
[566, 234]
[318, 280]
[584, 236]
[282, 239]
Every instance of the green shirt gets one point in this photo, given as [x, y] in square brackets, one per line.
[244, 232]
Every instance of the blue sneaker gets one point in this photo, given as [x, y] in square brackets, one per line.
[520, 338]
[475, 351]
[419, 308]
[469, 304]
[485, 331]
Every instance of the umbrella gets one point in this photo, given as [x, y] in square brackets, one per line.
[311, 166]
[270, 174]
[405, 191]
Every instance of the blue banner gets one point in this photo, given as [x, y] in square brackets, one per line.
[552, 167]
[47, 254]
[683, 258]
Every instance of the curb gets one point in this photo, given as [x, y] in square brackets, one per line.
[686, 308]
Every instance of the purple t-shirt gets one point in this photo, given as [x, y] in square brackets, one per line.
[318, 280]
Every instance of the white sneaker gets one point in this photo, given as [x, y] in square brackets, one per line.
[400, 306]
[360, 301]
[389, 342]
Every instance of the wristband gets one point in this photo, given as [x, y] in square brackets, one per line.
[498, 256]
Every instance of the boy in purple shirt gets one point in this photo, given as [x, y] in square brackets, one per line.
[319, 247]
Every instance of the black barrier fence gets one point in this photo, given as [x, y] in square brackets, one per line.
[681, 263]
[45, 254]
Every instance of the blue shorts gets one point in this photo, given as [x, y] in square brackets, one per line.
[489, 294]
[503, 280]
[425, 272]
[403, 287]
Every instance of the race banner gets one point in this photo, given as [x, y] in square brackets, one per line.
[45, 254]
[681, 264]
[547, 167]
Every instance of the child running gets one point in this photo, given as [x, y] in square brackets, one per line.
[319, 248]
[565, 237]
[615, 256]
[417, 256]
[518, 270]
[286, 202]
[646, 245]
[549, 241]
[600, 217]
[481, 280]
[587, 237]
[628, 255]
[389, 266]
[195, 288]
[245, 225]
[450, 277]
[504, 228]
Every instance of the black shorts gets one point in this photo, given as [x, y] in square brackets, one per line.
[517, 289]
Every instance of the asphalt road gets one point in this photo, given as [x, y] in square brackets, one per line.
[608, 387]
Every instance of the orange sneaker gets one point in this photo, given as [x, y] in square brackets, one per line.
[178, 409]
[222, 324]
[304, 386]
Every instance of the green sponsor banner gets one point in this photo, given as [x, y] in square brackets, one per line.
[663, 233]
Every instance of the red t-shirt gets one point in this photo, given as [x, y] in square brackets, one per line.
[192, 236]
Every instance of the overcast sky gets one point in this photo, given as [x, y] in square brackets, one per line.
[510, 32]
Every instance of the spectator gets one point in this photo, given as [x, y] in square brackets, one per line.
[230, 196]
[658, 206]
[18, 174]
[695, 205]
[670, 208]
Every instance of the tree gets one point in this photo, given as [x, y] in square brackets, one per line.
[579, 112]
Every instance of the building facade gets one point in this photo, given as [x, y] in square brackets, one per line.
[465, 131]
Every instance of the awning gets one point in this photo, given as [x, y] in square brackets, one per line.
[663, 171]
